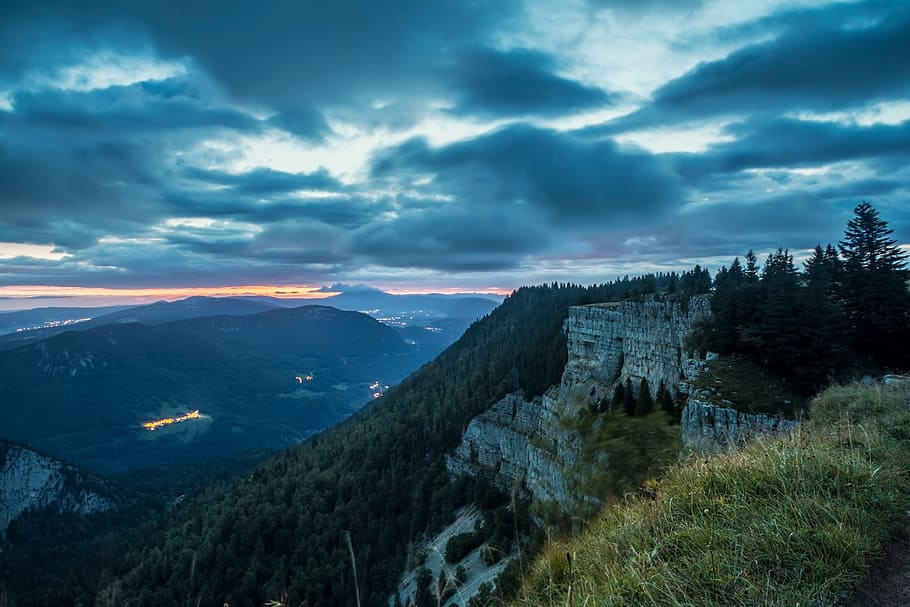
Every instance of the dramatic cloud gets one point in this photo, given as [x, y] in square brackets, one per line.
[785, 142]
[832, 61]
[518, 82]
[439, 144]
[565, 179]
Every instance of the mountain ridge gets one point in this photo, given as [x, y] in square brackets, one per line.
[88, 392]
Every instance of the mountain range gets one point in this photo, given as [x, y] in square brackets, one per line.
[261, 381]
[400, 311]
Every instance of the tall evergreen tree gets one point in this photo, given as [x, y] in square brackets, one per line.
[628, 403]
[822, 271]
[751, 272]
[645, 403]
[873, 288]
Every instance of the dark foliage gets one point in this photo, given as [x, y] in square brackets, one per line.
[811, 327]
[873, 288]
[380, 475]
[644, 404]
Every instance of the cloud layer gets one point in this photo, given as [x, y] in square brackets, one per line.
[439, 144]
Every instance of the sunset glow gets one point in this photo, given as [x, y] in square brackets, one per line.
[277, 291]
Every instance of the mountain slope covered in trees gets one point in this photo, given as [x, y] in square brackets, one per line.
[281, 533]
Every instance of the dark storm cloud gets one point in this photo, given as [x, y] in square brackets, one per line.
[822, 66]
[266, 181]
[76, 166]
[450, 239]
[787, 142]
[123, 111]
[518, 82]
[295, 57]
[565, 179]
[341, 208]
[133, 182]
[91, 187]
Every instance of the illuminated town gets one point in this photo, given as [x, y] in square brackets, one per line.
[378, 388]
[154, 425]
[54, 323]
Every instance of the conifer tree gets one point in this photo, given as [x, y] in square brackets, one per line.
[665, 400]
[751, 272]
[645, 403]
[619, 398]
[628, 403]
[873, 288]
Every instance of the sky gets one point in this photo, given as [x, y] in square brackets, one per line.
[151, 148]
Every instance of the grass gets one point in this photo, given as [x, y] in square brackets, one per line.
[737, 382]
[791, 521]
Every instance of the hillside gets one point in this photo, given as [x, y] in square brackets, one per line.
[785, 521]
[379, 476]
[24, 320]
[52, 516]
[33, 481]
[259, 382]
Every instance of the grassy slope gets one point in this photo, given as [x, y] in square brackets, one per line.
[784, 522]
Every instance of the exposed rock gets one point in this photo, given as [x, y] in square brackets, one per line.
[30, 480]
[521, 445]
[610, 343]
[711, 429]
[532, 446]
[432, 557]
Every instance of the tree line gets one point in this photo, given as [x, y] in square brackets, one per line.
[846, 311]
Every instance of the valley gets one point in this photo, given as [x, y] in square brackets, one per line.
[85, 395]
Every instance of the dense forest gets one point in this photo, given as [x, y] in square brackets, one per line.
[280, 533]
[847, 312]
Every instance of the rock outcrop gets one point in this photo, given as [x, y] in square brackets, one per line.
[30, 480]
[610, 343]
[709, 428]
[519, 444]
[532, 445]
[535, 447]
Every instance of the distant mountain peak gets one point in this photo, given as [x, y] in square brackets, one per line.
[349, 288]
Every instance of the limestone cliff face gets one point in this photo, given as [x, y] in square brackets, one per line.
[708, 428]
[519, 444]
[30, 480]
[533, 445]
[610, 343]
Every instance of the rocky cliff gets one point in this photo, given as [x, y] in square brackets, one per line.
[538, 448]
[610, 343]
[535, 446]
[709, 428]
[30, 480]
[521, 445]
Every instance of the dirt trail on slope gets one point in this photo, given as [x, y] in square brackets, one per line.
[887, 584]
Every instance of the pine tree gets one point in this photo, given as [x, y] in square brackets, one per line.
[665, 400]
[628, 403]
[822, 271]
[645, 403]
[619, 398]
[751, 272]
[873, 288]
